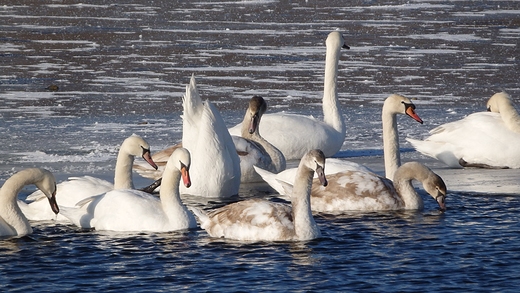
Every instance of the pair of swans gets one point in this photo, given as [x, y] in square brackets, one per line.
[261, 220]
[134, 210]
[215, 169]
[353, 187]
[483, 139]
[12, 220]
[295, 134]
[76, 189]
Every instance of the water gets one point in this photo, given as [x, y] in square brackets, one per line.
[121, 68]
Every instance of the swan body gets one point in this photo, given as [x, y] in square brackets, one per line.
[295, 134]
[261, 220]
[134, 210]
[253, 149]
[12, 220]
[393, 105]
[482, 139]
[366, 191]
[76, 189]
[215, 169]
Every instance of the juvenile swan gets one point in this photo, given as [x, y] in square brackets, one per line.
[261, 220]
[252, 148]
[78, 188]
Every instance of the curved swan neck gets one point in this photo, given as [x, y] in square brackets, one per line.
[403, 183]
[391, 152]
[331, 112]
[9, 209]
[169, 193]
[123, 173]
[304, 225]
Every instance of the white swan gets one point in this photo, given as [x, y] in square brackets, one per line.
[12, 220]
[253, 149]
[295, 134]
[393, 105]
[261, 220]
[216, 167]
[78, 188]
[365, 191]
[482, 139]
[134, 210]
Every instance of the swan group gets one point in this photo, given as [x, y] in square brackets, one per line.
[295, 134]
[76, 189]
[393, 105]
[483, 139]
[134, 210]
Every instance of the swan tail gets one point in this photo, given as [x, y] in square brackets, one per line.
[270, 178]
[77, 216]
[200, 214]
[191, 100]
[441, 151]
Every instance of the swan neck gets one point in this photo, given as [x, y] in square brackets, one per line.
[9, 209]
[511, 118]
[391, 153]
[331, 113]
[123, 173]
[305, 227]
[404, 187]
[169, 193]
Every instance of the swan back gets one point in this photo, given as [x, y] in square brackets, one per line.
[502, 103]
[215, 164]
[12, 220]
[432, 183]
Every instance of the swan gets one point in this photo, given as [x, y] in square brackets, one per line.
[76, 189]
[482, 139]
[393, 105]
[253, 149]
[216, 166]
[366, 191]
[134, 210]
[12, 220]
[295, 134]
[261, 220]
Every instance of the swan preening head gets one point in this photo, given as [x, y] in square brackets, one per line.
[257, 108]
[181, 160]
[137, 146]
[46, 182]
[498, 102]
[316, 162]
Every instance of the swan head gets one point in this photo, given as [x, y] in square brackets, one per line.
[46, 182]
[436, 187]
[137, 146]
[257, 108]
[181, 160]
[497, 101]
[336, 40]
[315, 160]
[397, 104]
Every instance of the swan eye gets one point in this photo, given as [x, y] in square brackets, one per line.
[184, 166]
[408, 105]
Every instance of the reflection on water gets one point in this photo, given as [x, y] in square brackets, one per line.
[121, 68]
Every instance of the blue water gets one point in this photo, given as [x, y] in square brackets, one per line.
[121, 68]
